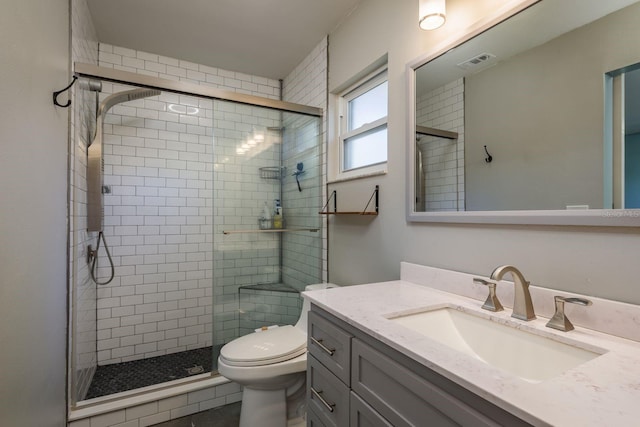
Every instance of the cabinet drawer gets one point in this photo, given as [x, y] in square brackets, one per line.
[330, 345]
[313, 420]
[362, 415]
[402, 397]
[327, 396]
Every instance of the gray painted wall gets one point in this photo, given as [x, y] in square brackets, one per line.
[541, 115]
[595, 261]
[34, 61]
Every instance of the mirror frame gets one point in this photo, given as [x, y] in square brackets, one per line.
[591, 217]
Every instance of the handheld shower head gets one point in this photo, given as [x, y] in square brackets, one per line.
[95, 162]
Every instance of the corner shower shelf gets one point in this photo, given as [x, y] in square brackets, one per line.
[271, 230]
[271, 172]
[272, 287]
[334, 196]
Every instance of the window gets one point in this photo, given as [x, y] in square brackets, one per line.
[363, 126]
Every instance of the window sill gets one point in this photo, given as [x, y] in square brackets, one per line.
[355, 177]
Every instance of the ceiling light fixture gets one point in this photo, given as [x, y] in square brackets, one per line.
[432, 14]
[182, 109]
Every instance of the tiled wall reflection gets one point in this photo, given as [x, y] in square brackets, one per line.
[443, 159]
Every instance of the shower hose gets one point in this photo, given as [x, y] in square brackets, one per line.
[94, 256]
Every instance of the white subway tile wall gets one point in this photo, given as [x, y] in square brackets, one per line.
[170, 201]
[260, 308]
[82, 320]
[166, 409]
[302, 251]
[443, 159]
[306, 84]
[240, 195]
[160, 202]
[158, 165]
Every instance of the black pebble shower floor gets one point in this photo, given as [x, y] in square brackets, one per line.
[124, 376]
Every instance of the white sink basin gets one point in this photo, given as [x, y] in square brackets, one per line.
[524, 354]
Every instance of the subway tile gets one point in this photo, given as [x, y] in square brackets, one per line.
[189, 65]
[184, 411]
[134, 300]
[131, 320]
[80, 423]
[201, 395]
[155, 419]
[196, 75]
[109, 419]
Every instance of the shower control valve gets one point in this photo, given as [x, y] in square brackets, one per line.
[91, 254]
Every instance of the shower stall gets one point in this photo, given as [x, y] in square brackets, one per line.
[185, 175]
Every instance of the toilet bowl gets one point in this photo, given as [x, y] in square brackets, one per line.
[271, 366]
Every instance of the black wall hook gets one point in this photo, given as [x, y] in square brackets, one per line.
[300, 171]
[489, 157]
[55, 94]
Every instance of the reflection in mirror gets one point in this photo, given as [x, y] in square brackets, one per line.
[530, 91]
[439, 170]
[632, 139]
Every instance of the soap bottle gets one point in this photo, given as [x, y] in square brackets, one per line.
[277, 216]
[265, 219]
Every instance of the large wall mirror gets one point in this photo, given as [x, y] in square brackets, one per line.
[531, 120]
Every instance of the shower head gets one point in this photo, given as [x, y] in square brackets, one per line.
[95, 161]
[127, 95]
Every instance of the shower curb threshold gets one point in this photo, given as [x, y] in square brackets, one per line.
[102, 405]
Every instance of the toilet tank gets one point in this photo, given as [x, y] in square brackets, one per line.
[306, 305]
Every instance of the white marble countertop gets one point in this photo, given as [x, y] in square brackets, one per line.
[604, 391]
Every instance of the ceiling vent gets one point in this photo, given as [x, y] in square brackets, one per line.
[479, 61]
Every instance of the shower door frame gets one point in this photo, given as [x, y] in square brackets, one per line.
[191, 89]
[186, 88]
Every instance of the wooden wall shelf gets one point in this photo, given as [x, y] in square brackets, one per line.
[349, 213]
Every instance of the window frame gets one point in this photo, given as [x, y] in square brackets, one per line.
[362, 86]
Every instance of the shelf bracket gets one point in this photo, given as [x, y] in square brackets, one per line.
[375, 194]
[334, 195]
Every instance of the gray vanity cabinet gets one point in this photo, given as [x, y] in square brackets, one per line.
[355, 380]
[328, 370]
[363, 415]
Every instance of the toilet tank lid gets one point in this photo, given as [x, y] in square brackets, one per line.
[320, 286]
[266, 345]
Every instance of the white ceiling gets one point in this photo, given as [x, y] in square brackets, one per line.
[261, 37]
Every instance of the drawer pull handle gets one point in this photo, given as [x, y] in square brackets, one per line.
[326, 404]
[329, 351]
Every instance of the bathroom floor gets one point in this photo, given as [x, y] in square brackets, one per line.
[223, 416]
[118, 377]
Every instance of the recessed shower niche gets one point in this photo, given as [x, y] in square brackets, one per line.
[181, 223]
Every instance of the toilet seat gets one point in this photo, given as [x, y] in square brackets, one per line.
[266, 347]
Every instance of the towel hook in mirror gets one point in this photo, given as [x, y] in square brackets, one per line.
[489, 157]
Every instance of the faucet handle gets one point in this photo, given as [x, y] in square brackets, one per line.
[559, 320]
[492, 303]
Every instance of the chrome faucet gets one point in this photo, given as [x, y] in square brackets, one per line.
[522, 305]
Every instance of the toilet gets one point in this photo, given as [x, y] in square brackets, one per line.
[271, 366]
